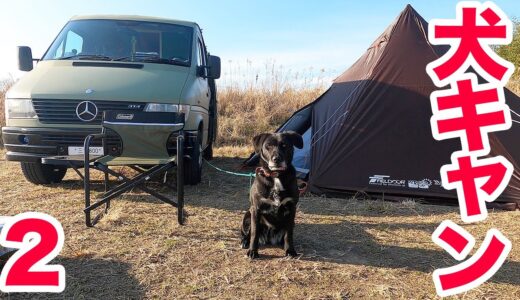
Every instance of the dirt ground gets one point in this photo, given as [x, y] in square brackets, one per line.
[350, 249]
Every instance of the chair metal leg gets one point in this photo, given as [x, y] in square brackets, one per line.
[86, 186]
[180, 179]
[135, 182]
[107, 206]
[77, 171]
[143, 188]
[86, 180]
[129, 185]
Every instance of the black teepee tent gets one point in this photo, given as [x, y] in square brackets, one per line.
[370, 131]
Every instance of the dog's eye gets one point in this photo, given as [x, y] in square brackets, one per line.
[283, 145]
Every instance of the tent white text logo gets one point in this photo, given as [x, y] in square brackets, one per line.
[386, 181]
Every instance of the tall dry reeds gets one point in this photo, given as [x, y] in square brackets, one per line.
[514, 85]
[255, 100]
[4, 86]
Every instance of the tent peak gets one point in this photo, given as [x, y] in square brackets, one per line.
[411, 11]
[409, 28]
[409, 7]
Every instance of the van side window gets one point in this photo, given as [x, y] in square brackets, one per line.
[59, 50]
[201, 56]
[73, 44]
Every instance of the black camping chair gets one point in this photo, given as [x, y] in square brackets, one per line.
[144, 137]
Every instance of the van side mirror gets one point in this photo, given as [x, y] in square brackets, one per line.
[214, 67]
[25, 59]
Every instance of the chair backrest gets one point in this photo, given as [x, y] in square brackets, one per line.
[144, 134]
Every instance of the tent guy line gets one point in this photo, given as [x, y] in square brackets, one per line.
[514, 112]
[344, 102]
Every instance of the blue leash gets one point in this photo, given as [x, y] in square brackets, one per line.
[250, 175]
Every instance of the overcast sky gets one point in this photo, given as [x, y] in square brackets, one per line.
[299, 35]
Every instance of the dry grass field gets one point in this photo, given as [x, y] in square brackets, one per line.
[350, 249]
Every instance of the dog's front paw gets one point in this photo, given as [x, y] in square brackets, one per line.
[245, 243]
[291, 253]
[252, 254]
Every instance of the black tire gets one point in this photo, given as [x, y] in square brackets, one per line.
[38, 173]
[193, 166]
[208, 152]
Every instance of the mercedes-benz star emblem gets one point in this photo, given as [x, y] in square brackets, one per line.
[86, 111]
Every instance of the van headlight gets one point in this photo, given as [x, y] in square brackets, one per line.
[160, 107]
[19, 109]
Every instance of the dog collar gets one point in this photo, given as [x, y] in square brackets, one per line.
[266, 172]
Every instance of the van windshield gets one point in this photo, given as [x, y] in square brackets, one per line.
[115, 40]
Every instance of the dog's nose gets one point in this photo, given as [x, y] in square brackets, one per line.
[277, 159]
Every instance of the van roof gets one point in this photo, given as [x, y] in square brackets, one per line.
[134, 18]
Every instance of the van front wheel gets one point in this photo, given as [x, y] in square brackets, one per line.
[38, 173]
[193, 166]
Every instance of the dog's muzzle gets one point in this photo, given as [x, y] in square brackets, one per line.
[277, 166]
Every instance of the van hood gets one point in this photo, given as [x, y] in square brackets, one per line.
[55, 79]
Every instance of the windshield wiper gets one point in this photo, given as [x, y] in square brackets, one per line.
[154, 59]
[88, 56]
[124, 58]
[173, 61]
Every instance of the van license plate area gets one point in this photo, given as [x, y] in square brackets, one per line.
[80, 151]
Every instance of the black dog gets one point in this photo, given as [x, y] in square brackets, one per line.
[273, 196]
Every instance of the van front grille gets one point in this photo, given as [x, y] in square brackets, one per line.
[77, 139]
[62, 111]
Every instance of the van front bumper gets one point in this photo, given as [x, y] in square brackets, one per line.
[31, 144]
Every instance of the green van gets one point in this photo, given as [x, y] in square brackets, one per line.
[99, 63]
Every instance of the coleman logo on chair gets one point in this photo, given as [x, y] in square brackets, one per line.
[125, 116]
[86, 111]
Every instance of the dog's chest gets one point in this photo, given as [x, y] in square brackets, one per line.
[278, 187]
[278, 203]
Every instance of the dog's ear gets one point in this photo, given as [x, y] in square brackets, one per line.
[295, 138]
[259, 140]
